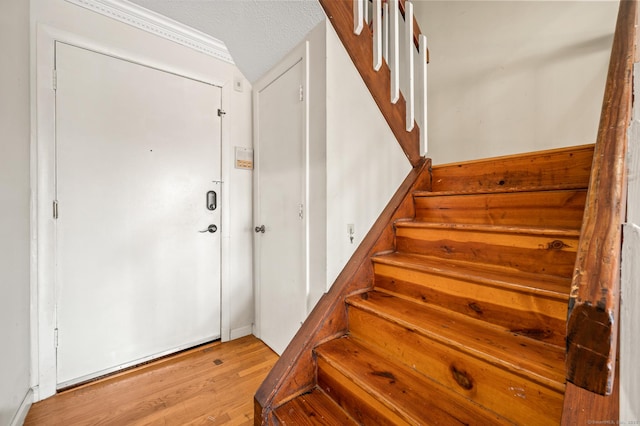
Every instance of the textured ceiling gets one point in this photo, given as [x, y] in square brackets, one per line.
[258, 33]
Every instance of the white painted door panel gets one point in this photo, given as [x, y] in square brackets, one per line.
[137, 150]
[280, 256]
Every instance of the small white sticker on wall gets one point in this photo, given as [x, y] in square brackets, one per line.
[244, 158]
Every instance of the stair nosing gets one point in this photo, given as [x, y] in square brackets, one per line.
[496, 229]
[434, 266]
[489, 358]
[548, 188]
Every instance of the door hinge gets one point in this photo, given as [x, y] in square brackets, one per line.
[301, 93]
[55, 337]
[301, 210]
[55, 209]
[221, 112]
[54, 79]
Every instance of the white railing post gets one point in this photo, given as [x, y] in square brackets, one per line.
[377, 34]
[385, 32]
[385, 20]
[365, 11]
[409, 49]
[358, 16]
[394, 49]
[422, 92]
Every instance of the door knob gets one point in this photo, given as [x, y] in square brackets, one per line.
[210, 228]
[260, 228]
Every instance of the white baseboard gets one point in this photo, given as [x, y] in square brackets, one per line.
[241, 332]
[21, 414]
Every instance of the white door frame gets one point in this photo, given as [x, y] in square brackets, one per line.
[43, 298]
[299, 54]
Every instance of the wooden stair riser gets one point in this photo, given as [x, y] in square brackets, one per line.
[544, 254]
[362, 406]
[538, 317]
[506, 393]
[560, 167]
[312, 408]
[378, 391]
[545, 209]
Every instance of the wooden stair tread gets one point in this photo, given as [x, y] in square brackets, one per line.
[538, 361]
[545, 188]
[515, 230]
[411, 396]
[539, 284]
[312, 408]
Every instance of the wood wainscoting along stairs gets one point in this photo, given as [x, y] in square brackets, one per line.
[464, 322]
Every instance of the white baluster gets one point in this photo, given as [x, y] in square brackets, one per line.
[409, 49]
[365, 11]
[385, 32]
[394, 49]
[422, 92]
[377, 34]
[358, 16]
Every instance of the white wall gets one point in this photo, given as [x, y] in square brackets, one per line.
[317, 164]
[365, 164]
[61, 20]
[354, 163]
[630, 291]
[514, 76]
[14, 205]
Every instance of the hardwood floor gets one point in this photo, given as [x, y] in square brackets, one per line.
[209, 385]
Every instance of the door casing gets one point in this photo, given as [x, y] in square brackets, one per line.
[300, 54]
[42, 177]
[145, 272]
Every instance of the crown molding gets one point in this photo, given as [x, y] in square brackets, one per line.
[155, 23]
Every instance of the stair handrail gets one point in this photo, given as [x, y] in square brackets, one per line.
[592, 326]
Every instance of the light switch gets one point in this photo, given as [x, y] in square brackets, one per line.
[238, 85]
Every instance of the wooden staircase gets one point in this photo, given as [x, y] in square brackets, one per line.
[464, 321]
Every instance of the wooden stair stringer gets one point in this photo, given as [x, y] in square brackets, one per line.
[360, 49]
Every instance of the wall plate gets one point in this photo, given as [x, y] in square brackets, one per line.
[244, 158]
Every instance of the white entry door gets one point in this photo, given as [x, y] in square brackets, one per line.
[138, 149]
[279, 209]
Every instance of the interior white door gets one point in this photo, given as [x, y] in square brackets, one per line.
[137, 151]
[279, 195]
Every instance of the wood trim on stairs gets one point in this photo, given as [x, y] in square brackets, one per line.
[294, 373]
[360, 49]
[582, 407]
[592, 326]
